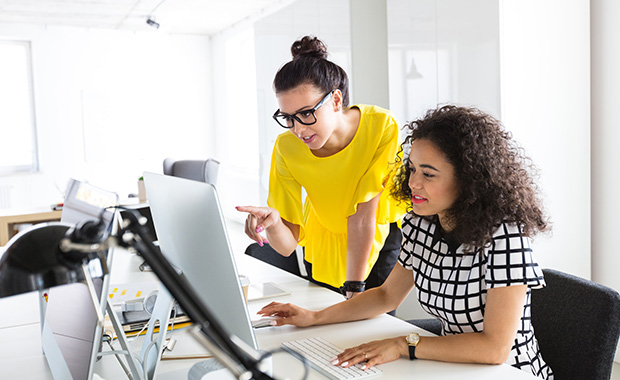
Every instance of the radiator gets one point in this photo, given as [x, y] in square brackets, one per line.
[5, 196]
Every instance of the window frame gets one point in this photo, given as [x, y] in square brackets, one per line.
[34, 165]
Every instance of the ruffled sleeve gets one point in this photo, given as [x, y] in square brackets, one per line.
[285, 191]
[377, 177]
[511, 261]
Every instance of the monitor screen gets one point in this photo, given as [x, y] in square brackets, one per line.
[192, 236]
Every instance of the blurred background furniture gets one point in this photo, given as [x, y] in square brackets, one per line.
[577, 324]
[10, 218]
[198, 170]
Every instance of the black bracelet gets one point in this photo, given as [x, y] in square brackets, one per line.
[352, 286]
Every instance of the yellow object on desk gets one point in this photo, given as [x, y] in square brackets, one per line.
[10, 218]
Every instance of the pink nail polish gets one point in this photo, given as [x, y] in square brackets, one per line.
[260, 243]
[265, 241]
[259, 229]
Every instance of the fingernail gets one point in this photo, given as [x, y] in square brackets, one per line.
[260, 243]
[363, 367]
[237, 207]
[273, 323]
[335, 361]
[265, 241]
[259, 229]
[344, 364]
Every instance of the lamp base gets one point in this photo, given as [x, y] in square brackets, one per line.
[209, 369]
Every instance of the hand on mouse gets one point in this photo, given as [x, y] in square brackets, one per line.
[288, 314]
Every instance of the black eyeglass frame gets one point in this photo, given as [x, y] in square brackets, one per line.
[294, 118]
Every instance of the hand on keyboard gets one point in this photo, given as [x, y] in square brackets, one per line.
[320, 354]
[375, 352]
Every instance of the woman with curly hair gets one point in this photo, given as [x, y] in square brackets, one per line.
[473, 208]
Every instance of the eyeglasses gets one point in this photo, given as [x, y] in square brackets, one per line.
[305, 117]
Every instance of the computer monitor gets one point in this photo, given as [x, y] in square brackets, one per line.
[71, 333]
[192, 236]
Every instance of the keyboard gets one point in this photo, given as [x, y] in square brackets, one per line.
[320, 353]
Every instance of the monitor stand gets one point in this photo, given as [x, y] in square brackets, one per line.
[152, 346]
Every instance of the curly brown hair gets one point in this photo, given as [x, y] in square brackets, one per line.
[495, 179]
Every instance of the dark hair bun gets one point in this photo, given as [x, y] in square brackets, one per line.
[309, 46]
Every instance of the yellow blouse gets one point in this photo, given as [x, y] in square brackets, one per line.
[334, 186]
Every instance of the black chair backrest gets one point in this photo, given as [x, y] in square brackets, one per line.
[577, 324]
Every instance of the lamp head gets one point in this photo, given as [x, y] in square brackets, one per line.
[33, 260]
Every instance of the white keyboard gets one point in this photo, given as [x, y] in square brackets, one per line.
[320, 353]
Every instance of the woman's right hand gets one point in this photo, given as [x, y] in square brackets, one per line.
[288, 314]
[258, 220]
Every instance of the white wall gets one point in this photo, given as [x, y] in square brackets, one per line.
[545, 50]
[274, 35]
[111, 104]
[605, 60]
[235, 118]
[369, 52]
[454, 62]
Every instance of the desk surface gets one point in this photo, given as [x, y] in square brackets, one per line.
[20, 351]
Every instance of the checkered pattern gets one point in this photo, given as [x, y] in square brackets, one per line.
[452, 285]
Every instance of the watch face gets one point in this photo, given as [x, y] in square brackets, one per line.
[413, 339]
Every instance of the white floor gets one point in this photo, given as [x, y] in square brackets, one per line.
[615, 372]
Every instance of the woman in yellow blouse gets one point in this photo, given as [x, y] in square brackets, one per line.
[342, 157]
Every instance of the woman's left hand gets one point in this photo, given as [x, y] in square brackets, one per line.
[373, 353]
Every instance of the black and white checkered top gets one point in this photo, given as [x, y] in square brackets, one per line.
[452, 285]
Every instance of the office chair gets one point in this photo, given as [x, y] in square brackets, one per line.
[577, 324]
[270, 256]
[197, 170]
[429, 324]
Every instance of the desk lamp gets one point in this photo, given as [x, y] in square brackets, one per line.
[56, 254]
[35, 260]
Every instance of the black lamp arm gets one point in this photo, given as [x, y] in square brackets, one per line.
[135, 235]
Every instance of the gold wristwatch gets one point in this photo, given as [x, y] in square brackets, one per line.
[412, 341]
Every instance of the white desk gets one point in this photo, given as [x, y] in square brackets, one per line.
[20, 350]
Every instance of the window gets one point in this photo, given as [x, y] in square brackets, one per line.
[17, 128]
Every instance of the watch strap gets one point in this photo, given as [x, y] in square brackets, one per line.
[412, 353]
[352, 287]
